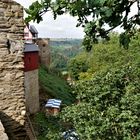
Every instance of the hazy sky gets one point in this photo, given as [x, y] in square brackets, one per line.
[63, 27]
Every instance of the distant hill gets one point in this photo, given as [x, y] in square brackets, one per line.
[65, 42]
[62, 50]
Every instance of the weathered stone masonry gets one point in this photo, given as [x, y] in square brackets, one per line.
[3, 135]
[44, 53]
[31, 91]
[12, 98]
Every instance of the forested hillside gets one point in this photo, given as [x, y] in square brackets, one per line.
[62, 50]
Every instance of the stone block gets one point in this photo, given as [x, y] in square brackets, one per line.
[2, 5]
[5, 25]
[1, 14]
[8, 14]
[16, 8]
[2, 9]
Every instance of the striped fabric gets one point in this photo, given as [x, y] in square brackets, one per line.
[55, 103]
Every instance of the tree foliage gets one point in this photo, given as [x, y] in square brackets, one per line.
[104, 55]
[93, 15]
[77, 65]
[109, 100]
[109, 105]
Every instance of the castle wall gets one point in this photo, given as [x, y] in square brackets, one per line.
[12, 98]
[32, 91]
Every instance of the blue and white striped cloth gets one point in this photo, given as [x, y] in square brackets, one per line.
[54, 103]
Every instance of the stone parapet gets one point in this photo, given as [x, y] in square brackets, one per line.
[45, 52]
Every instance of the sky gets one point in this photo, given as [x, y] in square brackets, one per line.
[63, 27]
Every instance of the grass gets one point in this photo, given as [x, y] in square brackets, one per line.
[50, 127]
[55, 87]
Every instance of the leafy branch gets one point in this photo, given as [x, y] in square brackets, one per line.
[113, 13]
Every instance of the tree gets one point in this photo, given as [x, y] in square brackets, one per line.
[114, 13]
[78, 65]
[109, 101]
[109, 106]
[104, 55]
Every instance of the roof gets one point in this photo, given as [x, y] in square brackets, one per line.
[33, 29]
[54, 103]
[30, 47]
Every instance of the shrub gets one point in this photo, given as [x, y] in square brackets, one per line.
[109, 105]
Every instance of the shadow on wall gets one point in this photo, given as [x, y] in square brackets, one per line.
[13, 129]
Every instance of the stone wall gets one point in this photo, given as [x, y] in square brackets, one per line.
[12, 98]
[32, 91]
[3, 135]
[44, 51]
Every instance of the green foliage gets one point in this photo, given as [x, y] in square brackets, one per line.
[55, 87]
[77, 65]
[109, 102]
[104, 55]
[113, 13]
[48, 128]
[62, 51]
[85, 63]
[109, 98]
[109, 105]
[33, 11]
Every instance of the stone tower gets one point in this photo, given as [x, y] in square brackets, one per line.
[44, 51]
